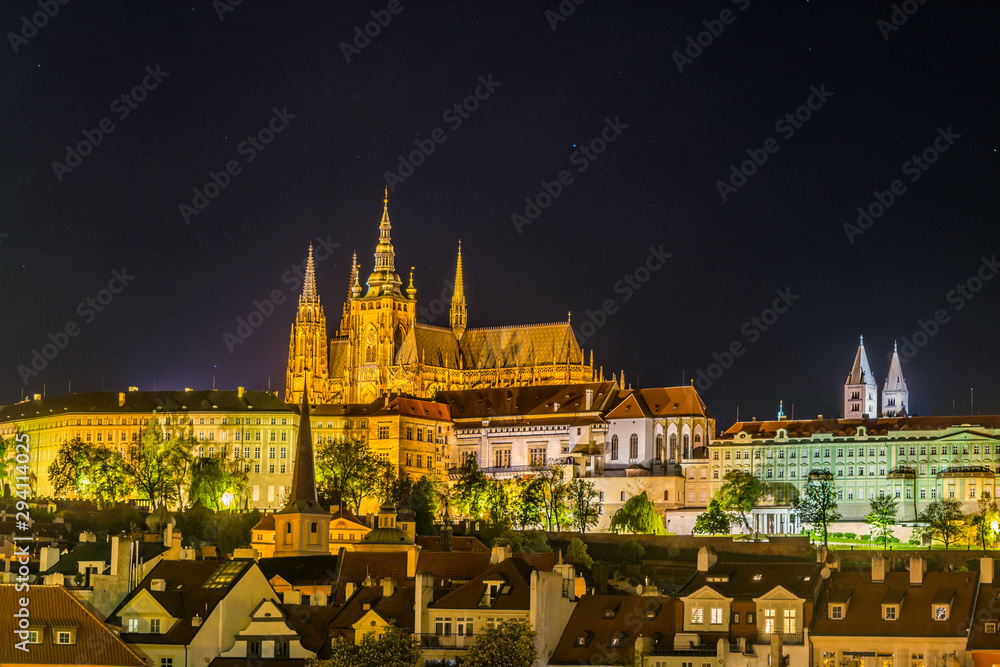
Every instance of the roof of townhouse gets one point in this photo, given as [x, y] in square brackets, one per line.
[145, 402]
[190, 588]
[512, 578]
[458, 543]
[607, 626]
[321, 569]
[754, 579]
[863, 605]
[557, 400]
[100, 552]
[658, 402]
[312, 623]
[414, 407]
[397, 607]
[987, 611]
[358, 566]
[53, 608]
[805, 428]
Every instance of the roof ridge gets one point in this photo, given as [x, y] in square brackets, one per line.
[519, 326]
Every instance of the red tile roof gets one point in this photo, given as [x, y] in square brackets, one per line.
[357, 565]
[458, 543]
[628, 615]
[513, 572]
[50, 606]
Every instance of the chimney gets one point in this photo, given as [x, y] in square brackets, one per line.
[776, 649]
[158, 585]
[349, 589]
[500, 554]
[49, 556]
[317, 599]
[985, 570]
[588, 404]
[196, 621]
[121, 399]
[133, 389]
[292, 597]
[878, 568]
[168, 535]
[422, 597]
[388, 587]
[917, 568]
[115, 548]
[239, 392]
[706, 558]
[819, 416]
[87, 537]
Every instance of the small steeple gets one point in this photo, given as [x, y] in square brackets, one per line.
[781, 410]
[458, 310]
[411, 291]
[353, 280]
[895, 395]
[303, 495]
[383, 279]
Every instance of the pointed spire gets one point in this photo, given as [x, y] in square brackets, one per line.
[353, 279]
[303, 495]
[458, 310]
[309, 283]
[411, 291]
[383, 279]
[895, 381]
[861, 371]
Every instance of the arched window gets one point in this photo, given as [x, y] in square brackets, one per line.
[614, 447]
[633, 446]
[659, 446]
[673, 447]
[697, 438]
[687, 445]
[312, 527]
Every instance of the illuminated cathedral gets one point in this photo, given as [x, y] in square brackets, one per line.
[380, 348]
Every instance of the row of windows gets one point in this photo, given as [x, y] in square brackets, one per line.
[903, 449]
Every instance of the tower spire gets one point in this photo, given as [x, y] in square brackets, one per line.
[860, 389]
[458, 310]
[309, 283]
[411, 291]
[383, 279]
[895, 395]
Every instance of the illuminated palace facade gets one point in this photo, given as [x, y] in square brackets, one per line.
[380, 348]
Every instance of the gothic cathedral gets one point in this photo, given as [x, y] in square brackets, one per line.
[380, 348]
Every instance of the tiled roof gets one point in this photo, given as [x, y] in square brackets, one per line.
[543, 561]
[184, 597]
[528, 345]
[453, 564]
[413, 407]
[146, 402]
[987, 611]
[51, 606]
[628, 615]
[321, 570]
[359, 565]
[804, 428]
[661, 402]
[753, 580]
[434, 346]
[863, 616]
[526, 401]
[311, 623]
[514, 572]
[100, 551]
[397, 607]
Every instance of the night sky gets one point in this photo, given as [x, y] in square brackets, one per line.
[678, 116]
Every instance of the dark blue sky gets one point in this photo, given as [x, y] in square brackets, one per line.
[608, 67]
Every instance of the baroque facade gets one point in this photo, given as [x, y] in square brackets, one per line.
[380, 348]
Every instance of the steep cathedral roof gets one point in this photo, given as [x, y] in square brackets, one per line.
[861, 372]
[895, 381]
[527, 345]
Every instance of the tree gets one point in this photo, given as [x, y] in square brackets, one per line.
[817, 506]
[209, 481]
[584, 504]
[944, 520]
[638, 515]
[578, 550]
[394, 648]
[528, 502]
[986, 520]
[470, 490]
[554, 492]
[8, 460]
[739, 494]
[346, 471]
[88, 471]
[508, 644]
[629, 552]
[424, 503]
[144, 467]
[882, 517]
[713, 521]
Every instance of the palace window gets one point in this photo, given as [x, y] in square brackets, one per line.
[633, 446]
[614, 447]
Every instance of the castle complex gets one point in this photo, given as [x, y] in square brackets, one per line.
[380, 348]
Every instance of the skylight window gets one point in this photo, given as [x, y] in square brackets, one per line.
[225, 574]
[757, 577]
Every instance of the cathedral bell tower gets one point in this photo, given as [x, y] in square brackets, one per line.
[860, 390]
[308, 346]
[895, 395]
[377, 322]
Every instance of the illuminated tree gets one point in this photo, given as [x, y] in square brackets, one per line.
[394, 648]
[584, 504]
[469, 492]
[739, 494]
[507, 644]
[817, 506]
[713, 521]
[944, 520]
[638, 515]
[986, 521]
[882, 517]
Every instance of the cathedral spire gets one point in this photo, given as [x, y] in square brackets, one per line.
[860, 388]
[309, 283]
[458, 311]
[303, 495]
[411, 291]
[383, 279]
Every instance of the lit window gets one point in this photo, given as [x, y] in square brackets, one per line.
[837, 612]
[154, 626]
[889, 613]
[716, 615]
[132, 625]
[697, 616]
